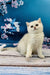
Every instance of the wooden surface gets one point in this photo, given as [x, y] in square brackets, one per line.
[24, 70]
[13, 58]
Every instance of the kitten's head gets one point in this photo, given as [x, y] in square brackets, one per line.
[35, 26]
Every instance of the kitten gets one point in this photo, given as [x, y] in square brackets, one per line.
[33, 40]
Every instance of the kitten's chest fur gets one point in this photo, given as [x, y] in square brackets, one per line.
[33, 40]
[36, 39]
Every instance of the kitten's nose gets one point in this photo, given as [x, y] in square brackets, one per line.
[34, 28]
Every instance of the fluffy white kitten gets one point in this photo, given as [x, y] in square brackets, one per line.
[33, 40]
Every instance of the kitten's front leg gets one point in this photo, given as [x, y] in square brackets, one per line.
[29, 52]
[39, 51]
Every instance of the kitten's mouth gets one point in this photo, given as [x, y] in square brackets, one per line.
[35, 29]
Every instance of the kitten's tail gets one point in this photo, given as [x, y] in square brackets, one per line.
[2, 46]
[9, 48]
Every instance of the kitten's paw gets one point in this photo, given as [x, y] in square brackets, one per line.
[27, 59]
[41, 56]
[28, 56]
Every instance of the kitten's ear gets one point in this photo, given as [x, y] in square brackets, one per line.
[27, 23]
[39, 20]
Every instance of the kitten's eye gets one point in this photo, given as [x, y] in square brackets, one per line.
[36, 24]
[31, 26]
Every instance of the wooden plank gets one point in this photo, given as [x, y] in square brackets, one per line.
[13, 58]
[24, 70]
[21, 61]
[46, 52]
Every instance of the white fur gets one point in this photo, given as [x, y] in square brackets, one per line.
[32, 41]
[1, 47]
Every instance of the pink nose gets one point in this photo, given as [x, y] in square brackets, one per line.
[34, 28]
